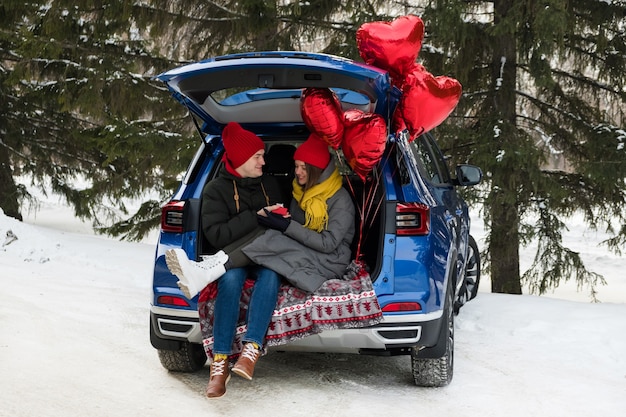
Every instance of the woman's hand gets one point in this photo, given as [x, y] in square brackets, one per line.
[274, 221]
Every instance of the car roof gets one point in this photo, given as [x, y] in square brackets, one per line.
[262, 89]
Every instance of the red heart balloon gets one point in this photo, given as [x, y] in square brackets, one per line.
[426, 101]
[365, 135]
[322, 113]
[392, 46]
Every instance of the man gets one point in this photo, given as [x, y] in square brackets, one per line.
[231, 204]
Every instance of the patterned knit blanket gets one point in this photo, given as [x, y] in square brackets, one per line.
[349, 302]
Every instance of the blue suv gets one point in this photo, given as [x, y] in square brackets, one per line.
[422, 260]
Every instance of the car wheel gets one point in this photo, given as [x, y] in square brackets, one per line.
[471, 279]
[472, 270]
[437, 372]
[189, 358]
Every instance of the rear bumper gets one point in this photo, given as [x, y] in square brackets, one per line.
[395, 334]
[172, 325]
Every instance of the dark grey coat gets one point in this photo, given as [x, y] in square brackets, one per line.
[305, 257]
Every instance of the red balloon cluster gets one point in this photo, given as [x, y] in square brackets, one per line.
[426, 100]
[361, 135]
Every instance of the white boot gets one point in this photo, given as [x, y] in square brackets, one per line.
[194, 276]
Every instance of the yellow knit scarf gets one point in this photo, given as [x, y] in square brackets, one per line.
[313, 202]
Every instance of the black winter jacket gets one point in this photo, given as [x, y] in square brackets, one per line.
[224, 225]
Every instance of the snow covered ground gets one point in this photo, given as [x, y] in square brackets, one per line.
[74, 342]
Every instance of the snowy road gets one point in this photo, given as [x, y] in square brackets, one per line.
[74, 342]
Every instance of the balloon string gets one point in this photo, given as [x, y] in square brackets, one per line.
[359, 207]
[371, 216]
[366, 209]
[373, 190]
[361, 223]
[361, 214]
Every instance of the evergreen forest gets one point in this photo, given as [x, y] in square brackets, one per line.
[542, 110]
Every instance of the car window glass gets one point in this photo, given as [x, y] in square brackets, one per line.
[430, 161]
[425, 159]
[438, 159]
[196, 164]
[402, 170]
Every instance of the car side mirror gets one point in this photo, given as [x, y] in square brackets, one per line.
[467, 175]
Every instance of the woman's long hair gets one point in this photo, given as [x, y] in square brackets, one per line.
[314, 174]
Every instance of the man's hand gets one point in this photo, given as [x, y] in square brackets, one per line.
[273, 220]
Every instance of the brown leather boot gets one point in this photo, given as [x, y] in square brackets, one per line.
[245, 364]
[220, 374]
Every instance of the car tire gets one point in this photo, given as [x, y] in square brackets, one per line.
[437, 372]
[471, 278]
[189, 358]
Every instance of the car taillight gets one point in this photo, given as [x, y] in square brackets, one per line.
[397, 307]
[172, 217]
[172, 300]
[412, 219]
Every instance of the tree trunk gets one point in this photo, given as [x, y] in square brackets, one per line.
[504, 237]
[9, 193]
[504, 244]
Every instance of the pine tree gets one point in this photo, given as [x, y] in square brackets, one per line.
[229, 26]
[540, 79]
[78, 108]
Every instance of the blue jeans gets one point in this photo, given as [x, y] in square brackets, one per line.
[260, 309]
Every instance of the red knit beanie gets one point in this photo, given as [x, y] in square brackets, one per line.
[240, 144]
[314, 151]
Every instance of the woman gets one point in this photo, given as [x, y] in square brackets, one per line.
[313, 245]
